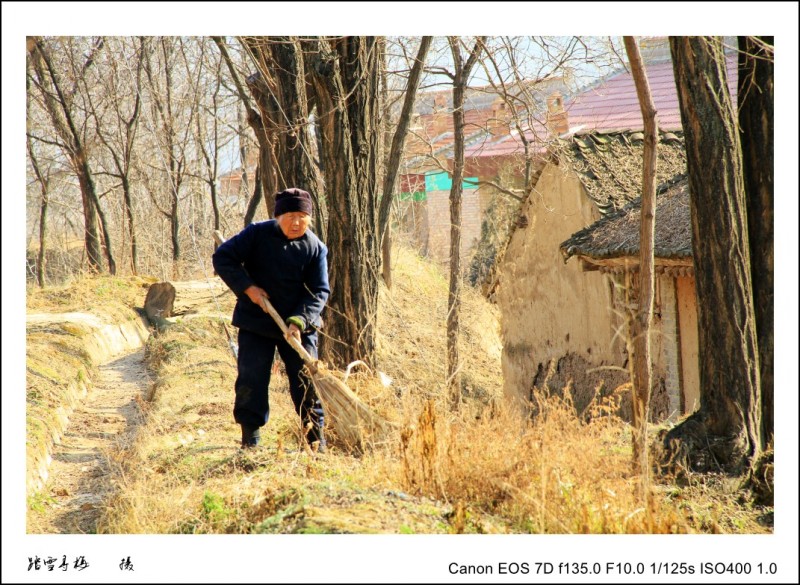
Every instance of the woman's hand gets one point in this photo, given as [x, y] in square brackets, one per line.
[257, 294]
[293, 331]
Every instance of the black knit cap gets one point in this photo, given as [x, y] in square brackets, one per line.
[293, 199]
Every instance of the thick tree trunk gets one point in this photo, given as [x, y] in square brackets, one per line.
[293, 152]
[346, 88]
[642, 364]
[42, 258]
[757, 123]
[214, 204]
[726, 431]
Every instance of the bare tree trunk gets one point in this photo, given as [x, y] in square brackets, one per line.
[642, 365]
[45, 187]
[127, 196]
[346, 84]
[460, 80]
[172, 148]
[757, 123]
[112, 264]
[293, 152]
[60, 114]
[386, 256]
[174, 171]
[267, 120]
[244, 186]
[255, 200]
[265, 179]
[121, 146]
[386, 150]
[174, 232]
[726, 430]
[395, 154]
[211, 155]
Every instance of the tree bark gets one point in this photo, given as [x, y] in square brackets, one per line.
[265, 179]
[642, 364]
[255, 200]
[293, 152]
[244, 185]
[726, 431]
[346, 85]
[45, 188]
[60, 114]
[86, 175]
[757, 123]
[460, 80]
[174, 149]
[122, 148]
[211, 155]
[396, 153]
[127, 196]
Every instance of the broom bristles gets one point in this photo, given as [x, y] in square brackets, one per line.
[353, 422]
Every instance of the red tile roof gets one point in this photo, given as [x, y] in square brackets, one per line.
[613, 105]
[509, 144]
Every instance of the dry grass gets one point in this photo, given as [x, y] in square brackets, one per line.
[58, 363]
[479, 470]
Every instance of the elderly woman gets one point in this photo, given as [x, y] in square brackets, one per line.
[285, 262]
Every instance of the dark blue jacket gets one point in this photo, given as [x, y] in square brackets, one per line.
[293, 272]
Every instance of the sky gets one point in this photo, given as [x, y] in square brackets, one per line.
[390, 558]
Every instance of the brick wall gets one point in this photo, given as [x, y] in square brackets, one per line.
[439, 223]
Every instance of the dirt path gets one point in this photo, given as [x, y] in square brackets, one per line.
[101, 425]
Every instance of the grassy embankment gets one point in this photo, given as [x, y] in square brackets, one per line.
[477, 470]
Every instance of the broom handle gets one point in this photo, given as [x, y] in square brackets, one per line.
[293, 341]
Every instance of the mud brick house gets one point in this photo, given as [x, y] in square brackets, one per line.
[424, 183]
[563, 322]
[610, 246]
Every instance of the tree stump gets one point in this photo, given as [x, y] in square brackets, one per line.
[159, 302]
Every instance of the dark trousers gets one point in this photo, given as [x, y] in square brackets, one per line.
[251, 407]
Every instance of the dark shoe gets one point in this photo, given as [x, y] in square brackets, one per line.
[316, 439]
[250, 437]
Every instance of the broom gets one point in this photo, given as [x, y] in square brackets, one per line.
[352, 420]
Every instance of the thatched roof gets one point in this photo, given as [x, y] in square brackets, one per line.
[610, 165]
[610, 168]
[617, 234]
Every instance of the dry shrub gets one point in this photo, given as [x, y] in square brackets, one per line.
[97, 294]
[562, 472]
[556, 474]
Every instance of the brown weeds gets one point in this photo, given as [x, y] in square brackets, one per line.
[483, 469]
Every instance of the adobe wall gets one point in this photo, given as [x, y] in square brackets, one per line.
[550, 308]
[670, 340]
[690, 364]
